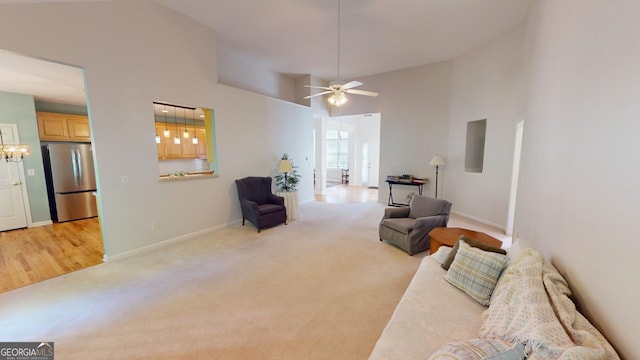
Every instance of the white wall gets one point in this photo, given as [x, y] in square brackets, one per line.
[486, 84]
[320, 111]
[253, 132]
[414, 108]
[579, 186]
[124, 49]
[243, 71]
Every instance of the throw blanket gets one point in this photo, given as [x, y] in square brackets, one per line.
[531, 305]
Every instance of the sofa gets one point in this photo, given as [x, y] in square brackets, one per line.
[437, 320]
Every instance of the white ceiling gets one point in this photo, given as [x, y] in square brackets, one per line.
[297, 37]
[300, 36]
[45, 80]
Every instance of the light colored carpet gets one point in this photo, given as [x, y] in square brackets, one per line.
[322, 287]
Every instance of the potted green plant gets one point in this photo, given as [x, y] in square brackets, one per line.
[288, 177]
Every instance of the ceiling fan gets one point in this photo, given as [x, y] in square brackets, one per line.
[337, 89]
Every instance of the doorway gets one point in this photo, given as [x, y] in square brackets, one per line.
[39, 249]
[514, 178]
[351, 145]
[14, 201]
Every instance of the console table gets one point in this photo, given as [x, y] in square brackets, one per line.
[416, 183]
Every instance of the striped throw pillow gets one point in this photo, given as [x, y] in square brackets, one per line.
[476, 272]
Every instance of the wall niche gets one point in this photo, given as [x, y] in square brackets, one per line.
[474, 153]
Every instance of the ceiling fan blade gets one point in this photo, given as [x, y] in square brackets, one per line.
[361, 92]
[317, 87]
[318, 94]
[351, 84]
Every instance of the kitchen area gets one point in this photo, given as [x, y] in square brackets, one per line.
[184, 147]
[72, 238]
[68, 166]
[50, 193]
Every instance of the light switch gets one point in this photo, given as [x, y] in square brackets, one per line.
[31, 172]
[124, 179]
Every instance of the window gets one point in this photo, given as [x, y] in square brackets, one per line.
[337, 149]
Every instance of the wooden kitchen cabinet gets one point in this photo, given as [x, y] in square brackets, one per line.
[63, 127]
[52, 127]
[201, 134]
[79, 128]
[189, 149]
[167, 149]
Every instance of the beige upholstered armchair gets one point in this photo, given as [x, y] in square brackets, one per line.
[408, 227]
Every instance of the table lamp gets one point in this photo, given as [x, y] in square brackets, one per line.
[285, 167]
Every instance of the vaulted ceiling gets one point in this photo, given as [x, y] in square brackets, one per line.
[296, 37]
[376, 36]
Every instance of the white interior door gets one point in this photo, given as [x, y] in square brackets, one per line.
[365, 165]
[374, 163]
[12, 208]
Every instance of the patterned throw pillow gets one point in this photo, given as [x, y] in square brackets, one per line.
[476, 272]
[473, 243]
[479, 349]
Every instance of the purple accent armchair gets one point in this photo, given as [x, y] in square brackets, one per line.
[259, 205]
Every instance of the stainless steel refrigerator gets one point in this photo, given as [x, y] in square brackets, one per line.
[71, 181]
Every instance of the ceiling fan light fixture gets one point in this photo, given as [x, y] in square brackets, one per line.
[338, 99]
[337, 90]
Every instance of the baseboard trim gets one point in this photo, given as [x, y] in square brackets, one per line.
[41, 223]
[126, 254]
[480, 220]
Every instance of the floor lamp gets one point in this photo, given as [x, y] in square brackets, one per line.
[437, 161]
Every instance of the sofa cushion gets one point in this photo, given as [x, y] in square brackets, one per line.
[422, 206]
[268, 208]
[476, 271]
[401, 225]
[430, 314]
[473, 243]
[441, 254]
[479, 349]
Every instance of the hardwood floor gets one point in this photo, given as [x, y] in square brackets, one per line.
[31, 255]
[340, 194]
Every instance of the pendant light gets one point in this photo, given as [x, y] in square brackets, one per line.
[194, 139]
[185, 133]
[166, 133]
[176, 139]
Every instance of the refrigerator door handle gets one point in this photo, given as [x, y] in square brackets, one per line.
[79, 164]
[74, 167]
